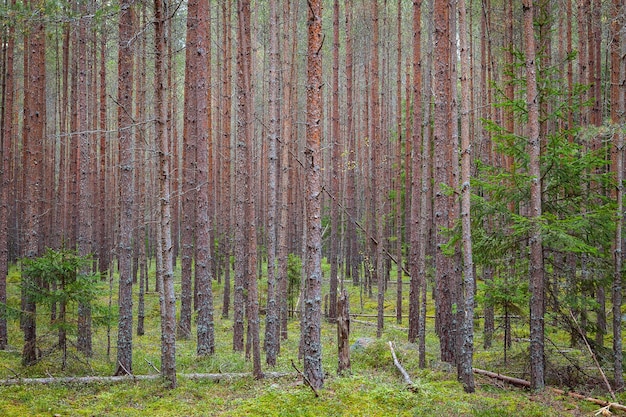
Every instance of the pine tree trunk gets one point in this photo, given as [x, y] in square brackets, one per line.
[467, 326]
[164, 253]
[536, 247]
[272, 324]
[416, 189]
[334, 174]
[443, 165]
[351, 235]
[126, 139]
[193, 66]
[226, 146]
[617, 115]
[85, 197]
[5, 166]
[312, 317]
[203, 269]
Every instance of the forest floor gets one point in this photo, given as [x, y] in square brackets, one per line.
[373, 388]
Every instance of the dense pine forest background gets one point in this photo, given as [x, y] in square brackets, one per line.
[451, 168]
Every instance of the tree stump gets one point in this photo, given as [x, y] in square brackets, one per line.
[343, 332]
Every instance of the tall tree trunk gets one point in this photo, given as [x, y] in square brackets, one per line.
[617, 115]
[443, 164]
[85, 197]
[5, 166]
[311, 320]
[537, 365]
[416, 187]
[244, 133]
[352, 260]
[288, 68]
[467, 326]
[272, 324]
[334, 174]
[165, 253]
[203, 270]
[398, 162]
[226, 146]
[126, 186]
[241, 185]
[34, 132]
[378, 183]
[193, 67]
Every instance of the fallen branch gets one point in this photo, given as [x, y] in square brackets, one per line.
[509, 379]
[305, 379]
[526, 384]
[606, 381]
[124, 378]
[405, 374]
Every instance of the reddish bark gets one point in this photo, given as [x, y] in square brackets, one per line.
[312, 314]
[536, 272]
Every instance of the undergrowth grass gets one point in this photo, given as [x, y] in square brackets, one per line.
[373, 388]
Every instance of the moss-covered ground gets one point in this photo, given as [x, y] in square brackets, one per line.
[373, 388]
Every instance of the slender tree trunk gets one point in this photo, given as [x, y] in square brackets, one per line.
[426, 211]
[165, 253]
[467, 326]
[536, 247]
[617, 115]
[193, 65]
[312, 317]
[272, 324]
[288, 68]
[226, 137]
[416, 187]
[85, 197]
[241, 185]
[351, 207]
[203, 270]
[5, 165]
[378, 184]
[398, 162]
[34, 132]
[443, 164]
[249, 227]
[126, 139]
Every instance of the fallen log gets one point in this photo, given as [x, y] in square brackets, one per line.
[124, 378]
[526, 384]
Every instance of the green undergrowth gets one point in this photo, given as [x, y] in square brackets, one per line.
[373, 388]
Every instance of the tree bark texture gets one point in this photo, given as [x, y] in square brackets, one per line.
[272, 323]
[165, 251]
[126, 188]
[467, 326]
[312, 311]
[442, 166]
[203, 227]
[537, 282]
[8, 95]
